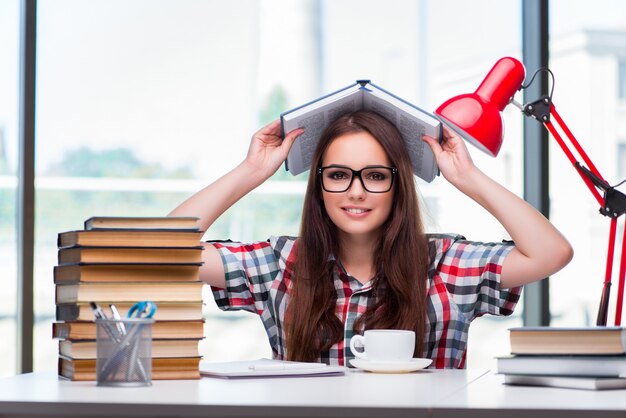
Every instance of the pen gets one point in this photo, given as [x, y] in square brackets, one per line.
[116, 315]
[286, 366]
[98, 313]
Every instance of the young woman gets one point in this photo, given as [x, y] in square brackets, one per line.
[362, 260]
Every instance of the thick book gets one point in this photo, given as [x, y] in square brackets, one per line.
[160, 348]
[315, 116]
[144, 222]
[556, 340]
[561, 365]
[129, 292]
[76, 273]
[267, 368]
[569, 382]
[117, 255]
[167, 311]
[129, 238]
[79, 330]
[162, 368]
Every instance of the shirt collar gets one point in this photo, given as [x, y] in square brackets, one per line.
[343, 276]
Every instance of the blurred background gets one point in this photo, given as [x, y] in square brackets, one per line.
[142, 102]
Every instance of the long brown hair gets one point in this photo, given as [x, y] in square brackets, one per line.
[401, 257]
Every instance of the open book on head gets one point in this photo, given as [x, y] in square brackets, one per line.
[315, 116]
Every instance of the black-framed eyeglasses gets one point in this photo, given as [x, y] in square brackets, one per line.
[374, 178]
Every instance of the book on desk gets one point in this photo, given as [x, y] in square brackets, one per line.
[129, 237]
[132, 292]
[170, 368]
[86, 330]
[167, 311]
[177, 223]
[86, 349]
[125, 260]
[582, 358]
[568, 341]
[126, 254]
[568, 382]
[126, 273]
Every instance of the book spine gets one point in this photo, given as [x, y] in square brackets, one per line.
[67, 312]
[61, 330]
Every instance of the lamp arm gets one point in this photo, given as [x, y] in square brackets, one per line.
[542, 110]
[603, 309]
[612, 203]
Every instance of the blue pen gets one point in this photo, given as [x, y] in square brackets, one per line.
[145, 309]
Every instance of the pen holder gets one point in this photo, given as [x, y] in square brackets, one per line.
[124, 352]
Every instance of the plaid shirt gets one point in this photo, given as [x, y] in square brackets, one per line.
[463, 284]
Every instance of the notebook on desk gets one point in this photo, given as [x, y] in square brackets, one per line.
[267, 368]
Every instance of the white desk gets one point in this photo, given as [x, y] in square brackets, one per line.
[488, 397]
[443, 393]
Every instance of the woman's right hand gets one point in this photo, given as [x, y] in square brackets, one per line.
[268, 150]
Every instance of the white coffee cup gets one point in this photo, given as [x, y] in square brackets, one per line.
[384, 345]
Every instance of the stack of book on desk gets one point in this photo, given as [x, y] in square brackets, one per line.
[581, 358]
[121, 261]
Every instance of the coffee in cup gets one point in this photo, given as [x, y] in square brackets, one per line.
[384, 345]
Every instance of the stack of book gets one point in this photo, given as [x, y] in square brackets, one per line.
[121, 261]
[580, 358]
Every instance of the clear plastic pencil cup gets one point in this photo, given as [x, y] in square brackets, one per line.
[124, 352]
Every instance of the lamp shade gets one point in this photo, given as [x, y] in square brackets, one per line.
[477, 117]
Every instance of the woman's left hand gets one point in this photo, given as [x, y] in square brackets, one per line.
[452, 156]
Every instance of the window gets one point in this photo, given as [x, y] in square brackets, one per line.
[584, 63]
[133, 114]
[133, 120]
[9, 85]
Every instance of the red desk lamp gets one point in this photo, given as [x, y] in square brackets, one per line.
[477, 117]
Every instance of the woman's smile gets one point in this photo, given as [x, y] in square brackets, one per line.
[356, 212]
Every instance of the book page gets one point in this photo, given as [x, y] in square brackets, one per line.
[412, 127]
[314, 123]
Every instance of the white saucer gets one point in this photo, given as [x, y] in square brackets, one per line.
[391, 366]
